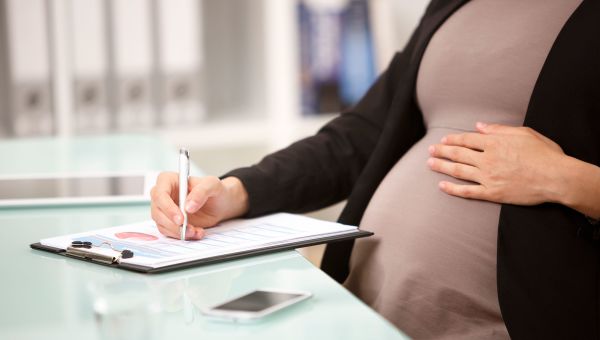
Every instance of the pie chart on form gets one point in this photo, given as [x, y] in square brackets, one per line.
[136, 236]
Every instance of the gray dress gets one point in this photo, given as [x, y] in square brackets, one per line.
[431, 267]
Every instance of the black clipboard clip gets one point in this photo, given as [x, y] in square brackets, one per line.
[82, 250]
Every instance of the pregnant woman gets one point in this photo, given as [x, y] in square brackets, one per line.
[474, 159]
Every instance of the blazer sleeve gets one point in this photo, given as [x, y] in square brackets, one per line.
[321, 170]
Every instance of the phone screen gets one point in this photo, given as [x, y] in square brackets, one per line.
[71, 187]
[257, 301]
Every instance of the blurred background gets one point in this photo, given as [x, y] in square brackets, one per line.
[231, 80]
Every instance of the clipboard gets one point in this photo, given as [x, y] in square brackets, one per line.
[208, 260]
[82, 254]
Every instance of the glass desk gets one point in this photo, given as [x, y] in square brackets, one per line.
[46, 296]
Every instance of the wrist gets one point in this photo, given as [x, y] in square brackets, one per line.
[564, 187]
[237, 197]
[558, 184]
[578, 185]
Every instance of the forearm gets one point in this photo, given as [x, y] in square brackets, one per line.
[579, 186]
[322, 169]
[312, 173]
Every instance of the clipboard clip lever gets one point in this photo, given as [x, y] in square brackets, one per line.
[88, 255]
[80, 249]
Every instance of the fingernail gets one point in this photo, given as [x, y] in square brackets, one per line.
[444, 139]
[430, 161]
[190, 232]
[193, 233]
[431, 149]
[442, 185]
[481, 125]
[191, 206]
[177, 219]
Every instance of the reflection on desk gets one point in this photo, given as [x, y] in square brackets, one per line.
[46, 296]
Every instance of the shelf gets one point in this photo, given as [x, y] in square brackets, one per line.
[250, 59]
[231, 133]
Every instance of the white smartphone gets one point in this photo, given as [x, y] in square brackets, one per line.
[65, 188]
[255, 305]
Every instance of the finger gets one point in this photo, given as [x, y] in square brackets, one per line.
[194, 233]
[163, 194]
[500, 129]
[461, 190]
[203, 220]
[167, 206]
[163, 221]
[495, 128]
[168, 232]
[202, 189]
[167, 228]
[475, 141]
[455, 153]
[512, 130]
[166, 182]
[456, 170]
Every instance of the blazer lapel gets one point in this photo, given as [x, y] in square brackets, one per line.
[565, 104]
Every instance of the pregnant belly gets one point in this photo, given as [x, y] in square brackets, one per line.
[432, 255]
[409, 196]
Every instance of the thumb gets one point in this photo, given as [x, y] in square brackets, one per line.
[202, 189]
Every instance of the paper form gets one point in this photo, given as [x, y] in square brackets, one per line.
[153, 249]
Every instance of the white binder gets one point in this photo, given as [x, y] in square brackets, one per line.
[89, 65]
[5, 118]
[28, 53]
[132, 64]
[180, 58]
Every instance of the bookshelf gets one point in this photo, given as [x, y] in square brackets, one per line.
[255, 100]
[249, 77]
[254, 96]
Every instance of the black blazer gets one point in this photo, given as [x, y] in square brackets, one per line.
[548, 267]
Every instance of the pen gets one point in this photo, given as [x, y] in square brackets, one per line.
[184, 174]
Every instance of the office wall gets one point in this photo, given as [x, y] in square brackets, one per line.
[230, 85]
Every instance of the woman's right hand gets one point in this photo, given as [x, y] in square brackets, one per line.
[209, 201]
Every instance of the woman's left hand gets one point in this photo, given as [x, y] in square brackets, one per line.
[515, 165]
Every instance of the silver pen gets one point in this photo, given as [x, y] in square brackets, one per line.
[184, 174]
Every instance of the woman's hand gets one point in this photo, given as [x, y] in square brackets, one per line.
[209, 202]
[507, 164]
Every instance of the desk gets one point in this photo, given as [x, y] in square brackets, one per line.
[46, 296]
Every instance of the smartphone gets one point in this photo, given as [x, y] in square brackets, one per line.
[255, 305]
